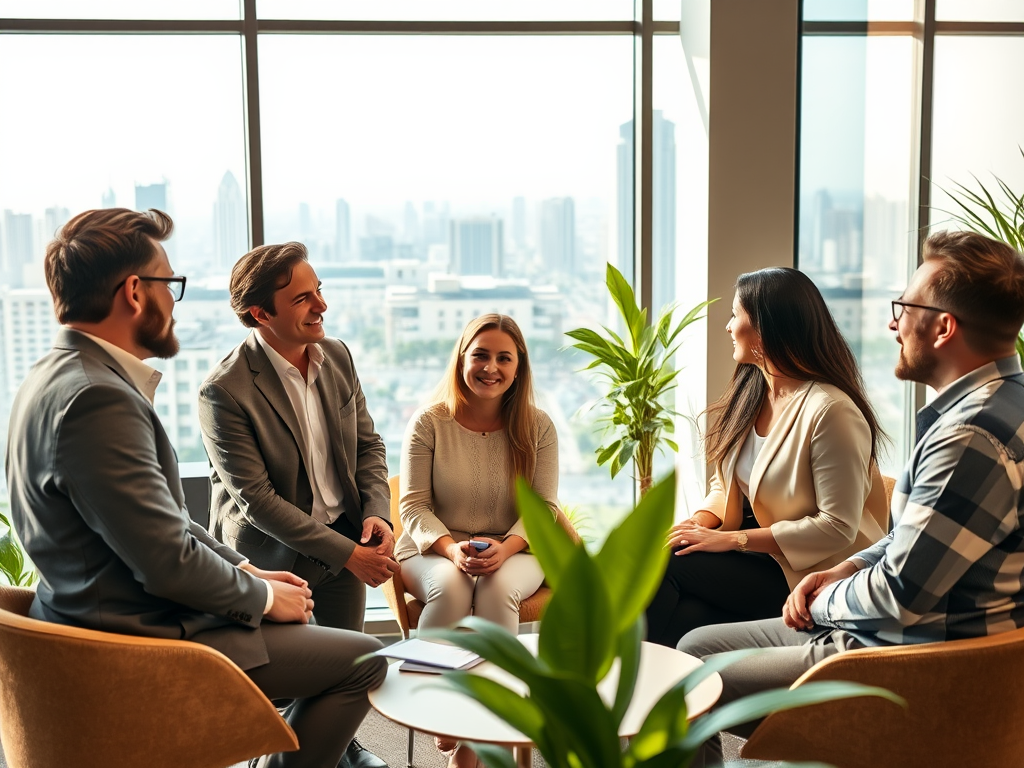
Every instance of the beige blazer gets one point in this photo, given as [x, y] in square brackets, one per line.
[813, 483]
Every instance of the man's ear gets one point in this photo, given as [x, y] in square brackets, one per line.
[947, 328]
[260, 315]
[130, 292]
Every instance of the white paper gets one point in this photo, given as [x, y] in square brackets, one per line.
[434, 654]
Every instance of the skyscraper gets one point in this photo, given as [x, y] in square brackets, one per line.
[342, 231]
[109, 198]
[53, 219]
[229, 222]
[663, 282]
[558, 235]
[519, 224]
[17, 246]
[478, 246]
[151, 196]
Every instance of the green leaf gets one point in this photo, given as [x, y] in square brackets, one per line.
[624, 298]
[605, 453]
[628, 652]
[491, 642]
[549, 542]
[633, 558]
[518, 711]
[759, 705]
[578, 632]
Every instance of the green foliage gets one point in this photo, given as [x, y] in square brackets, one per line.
[12, 559]
[639, 373]
[981, 212]
[595, 617]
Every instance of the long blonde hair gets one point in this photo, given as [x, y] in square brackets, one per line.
[518, 412]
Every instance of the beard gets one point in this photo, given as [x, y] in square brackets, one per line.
[917, 367]
[155, 334]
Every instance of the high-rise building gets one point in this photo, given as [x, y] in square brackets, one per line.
[109, 198]
[478, 246]
[53, 219]
[558, 235]
[436, 229]
[28, 329]
[519, 224]
[229, 222]
[151, 196]
[663, 282]
[342, 231]
[17, 246]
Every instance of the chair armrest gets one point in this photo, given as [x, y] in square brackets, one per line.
[394, 593]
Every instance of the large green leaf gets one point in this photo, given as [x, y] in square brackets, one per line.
[576, 716]
[633, 558]
[492, 755]
[761, 704]
[624, 298]
[549, 542]
[493, 643]
[518, 711]
[628, 652]
[578, 632]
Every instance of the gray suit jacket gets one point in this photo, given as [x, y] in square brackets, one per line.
[97, 501]
[262, 497]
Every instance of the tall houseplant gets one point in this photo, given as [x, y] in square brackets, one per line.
[639, 374]
[983, 213]
[595, 617]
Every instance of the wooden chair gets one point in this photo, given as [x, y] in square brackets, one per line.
[76, 697]
[407, 609]
[965, 705]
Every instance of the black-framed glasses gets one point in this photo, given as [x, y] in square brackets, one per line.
[175, 284]
[899, 304]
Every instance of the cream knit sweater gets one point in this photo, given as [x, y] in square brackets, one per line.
[455, 482]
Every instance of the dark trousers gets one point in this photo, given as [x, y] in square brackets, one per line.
[339, 600]
[705, 588]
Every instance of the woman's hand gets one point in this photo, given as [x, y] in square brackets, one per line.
[690, 536]
[484, 561]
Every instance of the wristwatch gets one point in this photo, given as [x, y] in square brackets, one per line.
[742, 541]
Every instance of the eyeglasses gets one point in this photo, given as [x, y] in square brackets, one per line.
[898, 305]
[175, 284]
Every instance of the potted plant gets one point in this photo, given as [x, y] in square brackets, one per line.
[639, 374]
[12, 558]
[982, 213]
[595, 617]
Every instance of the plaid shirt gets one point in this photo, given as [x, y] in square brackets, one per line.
[953, 565]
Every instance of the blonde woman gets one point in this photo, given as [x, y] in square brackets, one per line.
[463, 550]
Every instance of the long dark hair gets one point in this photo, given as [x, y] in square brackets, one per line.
[800, 339]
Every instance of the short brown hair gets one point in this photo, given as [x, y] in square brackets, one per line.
[93, 252]
[261, 273]
[980, 281]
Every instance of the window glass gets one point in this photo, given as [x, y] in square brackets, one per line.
[448, 10]
[170, 137]
[429, 192]
[859, 10]
[856, 232]
[120, 9]
[979, 10]
[963, 145]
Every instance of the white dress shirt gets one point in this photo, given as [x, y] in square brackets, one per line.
[316, 450]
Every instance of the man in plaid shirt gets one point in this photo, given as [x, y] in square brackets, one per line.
[952, 566]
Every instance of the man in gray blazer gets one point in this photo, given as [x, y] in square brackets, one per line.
[97, 501]
[299, 474]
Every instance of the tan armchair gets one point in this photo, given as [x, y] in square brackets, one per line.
[407, 609]
[965, 701]
[76, 697]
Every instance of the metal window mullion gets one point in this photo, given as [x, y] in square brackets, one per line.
[925, 12]
[643, 155]
[253, 147]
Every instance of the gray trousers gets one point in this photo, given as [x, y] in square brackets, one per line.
[339, 600]
[788, 654]
[313, 665]
[450, 594]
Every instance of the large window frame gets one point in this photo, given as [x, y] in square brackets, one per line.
[923, 28]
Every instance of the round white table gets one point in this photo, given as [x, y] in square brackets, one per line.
[425, 702]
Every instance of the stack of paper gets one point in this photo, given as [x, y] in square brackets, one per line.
[422, 656]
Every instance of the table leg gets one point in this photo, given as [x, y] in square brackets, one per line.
[523, 756]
